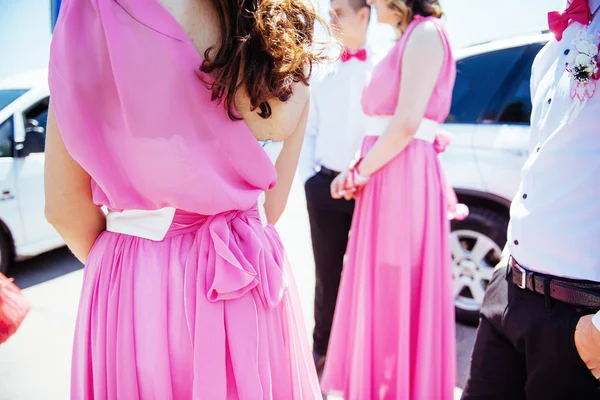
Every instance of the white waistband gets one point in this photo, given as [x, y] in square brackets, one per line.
[153, 224]
[376, 126]
[147, 224]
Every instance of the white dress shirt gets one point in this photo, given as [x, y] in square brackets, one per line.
[555, 216]
[336, 122]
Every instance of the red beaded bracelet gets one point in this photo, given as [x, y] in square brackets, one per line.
[355, 165]
[353, 174]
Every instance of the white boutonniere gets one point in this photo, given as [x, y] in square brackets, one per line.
[582, 67]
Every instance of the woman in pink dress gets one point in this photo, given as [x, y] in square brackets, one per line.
[187, 293]
[393, 333]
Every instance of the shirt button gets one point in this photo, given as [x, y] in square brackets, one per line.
[516, 242]
[524, 195]
[567, 51]
[549, 101]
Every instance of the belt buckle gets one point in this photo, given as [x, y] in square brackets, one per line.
[523, 283]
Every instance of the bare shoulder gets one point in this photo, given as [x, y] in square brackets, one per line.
[284, 118]
[425, 36]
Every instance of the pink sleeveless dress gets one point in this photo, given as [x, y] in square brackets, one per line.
[393, 334]
[187, 295]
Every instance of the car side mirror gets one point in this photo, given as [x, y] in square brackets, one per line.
[35, 139]
[31, 123]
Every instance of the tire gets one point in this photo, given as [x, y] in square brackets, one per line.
[476, 244]
[6, 254]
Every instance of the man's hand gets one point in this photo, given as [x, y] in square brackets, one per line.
[340, 188]
[587, 343]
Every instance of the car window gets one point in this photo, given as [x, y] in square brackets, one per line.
[477, 82]
[38, 113]
[8, 96]
[6, 138]
[517, 105]
[517, 109]
[35, 119]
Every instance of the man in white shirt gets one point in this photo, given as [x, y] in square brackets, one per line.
[538, 336]
[333, 136]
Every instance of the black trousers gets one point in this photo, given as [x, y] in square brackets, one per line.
[330, 221]
[525, 347]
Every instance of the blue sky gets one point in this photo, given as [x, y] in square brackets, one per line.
[475, 21]
[25, 26]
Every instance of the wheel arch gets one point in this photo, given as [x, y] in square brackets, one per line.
[11, 241]
[489, 216]
[485, 200]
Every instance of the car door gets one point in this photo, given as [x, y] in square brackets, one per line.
[502, 137]
[478, 80]
[30, 174]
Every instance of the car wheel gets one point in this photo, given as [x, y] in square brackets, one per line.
[5, 253]
[476, 244]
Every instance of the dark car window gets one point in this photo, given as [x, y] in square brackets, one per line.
[35, 119]
[8, 96]
[477, 82]
[7, 138]
[516, 107]
[38, 113]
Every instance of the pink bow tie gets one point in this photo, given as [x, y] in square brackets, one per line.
[360, 55]
[578, 11]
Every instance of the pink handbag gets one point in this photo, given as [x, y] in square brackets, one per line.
[13, 308]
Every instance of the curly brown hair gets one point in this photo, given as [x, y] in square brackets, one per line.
[265, 47]
[406, 10]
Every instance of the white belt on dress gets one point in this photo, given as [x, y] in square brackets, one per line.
[430, 131]
[376, 126]
[146, 224]
[154, 224]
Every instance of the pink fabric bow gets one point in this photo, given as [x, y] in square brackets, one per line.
[441, 141]
[232, 254]
[235, 266]
[360, 55]
[578, 11]
[456, 210]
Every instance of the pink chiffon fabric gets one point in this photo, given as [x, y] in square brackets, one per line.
[393, 334]
[211, 311]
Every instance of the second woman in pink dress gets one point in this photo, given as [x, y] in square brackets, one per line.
[393, 333]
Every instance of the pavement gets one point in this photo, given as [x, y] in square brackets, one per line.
[35, 363]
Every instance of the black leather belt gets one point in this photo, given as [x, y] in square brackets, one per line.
[328, 172]
[577, 293]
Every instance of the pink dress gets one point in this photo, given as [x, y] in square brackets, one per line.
[187, 295]
[393, 334]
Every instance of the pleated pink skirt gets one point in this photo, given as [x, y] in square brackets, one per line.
[209, 313]
[393, 334]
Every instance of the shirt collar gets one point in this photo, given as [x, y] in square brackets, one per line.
[368, 48]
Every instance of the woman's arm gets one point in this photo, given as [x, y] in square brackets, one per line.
[69, 205]
[286, 165]
[421, 65]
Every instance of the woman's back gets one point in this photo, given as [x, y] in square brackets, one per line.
[200, 22]
[129, 89]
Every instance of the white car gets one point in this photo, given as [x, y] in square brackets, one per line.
[489, 118]
[24, 231]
